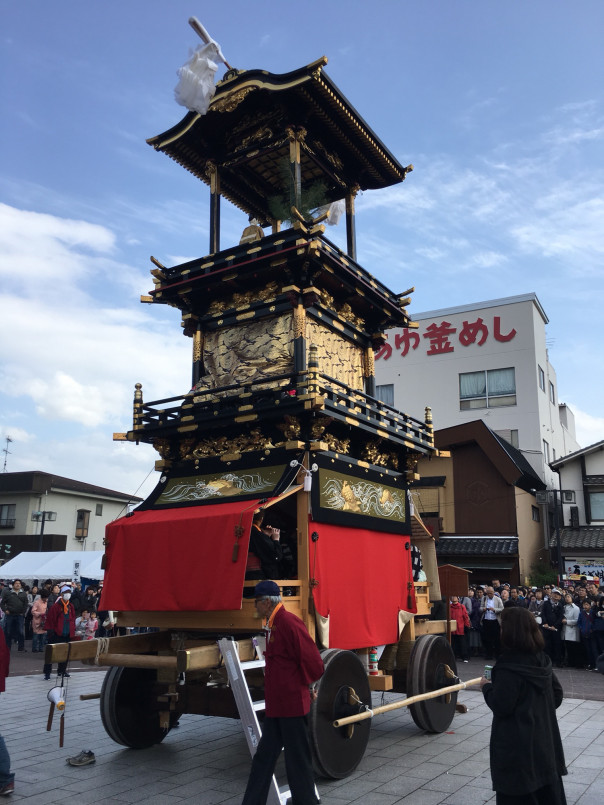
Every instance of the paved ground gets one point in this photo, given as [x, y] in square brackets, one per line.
[205, 760]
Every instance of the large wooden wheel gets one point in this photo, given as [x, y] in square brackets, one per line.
[338, 751]
[127, 713]
[425, 673]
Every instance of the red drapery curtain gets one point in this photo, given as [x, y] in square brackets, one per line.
[363, 581]
[177, 559]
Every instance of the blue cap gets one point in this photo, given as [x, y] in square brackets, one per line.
[266, 588]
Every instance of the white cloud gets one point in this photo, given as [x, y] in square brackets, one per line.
[76, 359]
[590, 429]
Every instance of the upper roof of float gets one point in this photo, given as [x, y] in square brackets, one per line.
[246, 134]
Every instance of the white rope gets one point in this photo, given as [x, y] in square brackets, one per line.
[102, 647]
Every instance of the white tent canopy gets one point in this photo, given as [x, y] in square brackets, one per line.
[56, 565]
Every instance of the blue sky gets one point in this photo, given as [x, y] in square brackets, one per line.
[498, 105]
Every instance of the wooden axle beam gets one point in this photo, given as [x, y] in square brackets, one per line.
[421, 697]
[133, 652]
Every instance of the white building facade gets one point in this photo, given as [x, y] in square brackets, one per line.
[40, 511]
[486, 361]
[581, 494]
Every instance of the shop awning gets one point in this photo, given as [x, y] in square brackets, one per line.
[181, 559]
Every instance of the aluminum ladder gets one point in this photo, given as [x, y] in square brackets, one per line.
[247, 708]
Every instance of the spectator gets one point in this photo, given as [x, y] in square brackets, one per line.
[38, 612]
[514, 599]
[14, 604]
[466, 600]
[536, 606]
[77, 598]
[7, 778]
[570, 633]
[580, 596]
[55, 594]
[504, 595]
[474, 636]
[585, 623]
[527, 759]
[86, 625]
[552, 615]
[547, 589]
[60, 627]
[592, 592]
[598, 626]
[460, 639]
[491, 608]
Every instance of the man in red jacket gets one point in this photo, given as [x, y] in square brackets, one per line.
[293, 663]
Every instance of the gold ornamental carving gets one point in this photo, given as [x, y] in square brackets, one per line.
[299, 321]
[369, 363]
[220, 306]
[378, 457]
[230, 102]
[336, 445]
[197, 346]
[344, 312]
[319, 426]
[253, 440]
[290, 428]
[331, 156]
[162, 446]
[263, 133]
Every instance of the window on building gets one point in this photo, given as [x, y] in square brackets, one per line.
[554, 453]
[596, 505]
[82, 520]
[541, 378]
[487, 389]
[535, 514]
[546, 451]
[552, 393]
[7, 515]
[385, 393]
[99, 509]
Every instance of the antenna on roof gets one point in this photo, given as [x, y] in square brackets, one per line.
[6, 452]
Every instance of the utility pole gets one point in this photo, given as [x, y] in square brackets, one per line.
[558, 539]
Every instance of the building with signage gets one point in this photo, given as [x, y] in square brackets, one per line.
[477, 497]
[486, 362]
[581, 493]
[489, 361]
[44, 512]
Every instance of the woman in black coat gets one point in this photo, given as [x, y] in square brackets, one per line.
[527, 760]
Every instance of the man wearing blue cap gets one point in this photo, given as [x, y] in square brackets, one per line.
[293, 664]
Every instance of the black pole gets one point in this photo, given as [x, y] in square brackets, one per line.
[42, 531]
[558, 541]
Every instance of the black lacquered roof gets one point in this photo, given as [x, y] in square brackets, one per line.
[244, 133]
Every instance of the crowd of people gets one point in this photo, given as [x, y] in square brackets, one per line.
[571, 621]
[51, 613]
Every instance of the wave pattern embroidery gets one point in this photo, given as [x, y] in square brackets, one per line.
[363, 498]
[227, 485]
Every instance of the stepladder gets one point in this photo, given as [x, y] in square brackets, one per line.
[247, 707]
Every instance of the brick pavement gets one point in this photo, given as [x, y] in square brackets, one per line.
[205, 760]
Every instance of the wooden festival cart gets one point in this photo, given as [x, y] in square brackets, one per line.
[281, 414]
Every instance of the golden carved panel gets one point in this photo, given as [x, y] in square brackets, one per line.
[248, 352]
[337, 357]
